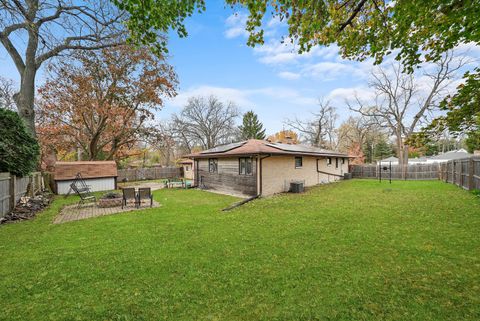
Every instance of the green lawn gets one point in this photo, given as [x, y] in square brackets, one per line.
[356, 250]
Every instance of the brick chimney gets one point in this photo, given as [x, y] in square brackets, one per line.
[288, 140]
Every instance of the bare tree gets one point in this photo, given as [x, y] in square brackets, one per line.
[403, 101]
[7, 91]
[320, 129]
[44, 29]
[162, 139]
[356, 131]
[206, 122]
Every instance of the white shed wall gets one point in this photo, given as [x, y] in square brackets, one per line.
[96, 184]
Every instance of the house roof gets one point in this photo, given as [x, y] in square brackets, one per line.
[88, 169]
[454, 154]
[185, 161]
[259, 147]
[389, 159]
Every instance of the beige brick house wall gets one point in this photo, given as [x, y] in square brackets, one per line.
[279, 171]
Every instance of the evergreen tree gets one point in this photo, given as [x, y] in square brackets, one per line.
[18, 149]
[251, 128]
[473, 141]
[383, 150]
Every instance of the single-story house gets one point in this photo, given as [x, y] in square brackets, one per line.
[258, 167]
[451, 155]
[99, 175]
[387, 161]
[187, 165]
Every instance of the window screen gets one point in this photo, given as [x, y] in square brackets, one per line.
[245, 166]
[213, 165]
[298, 162]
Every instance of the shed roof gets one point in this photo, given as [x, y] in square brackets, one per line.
[88, 169]
[257, 147]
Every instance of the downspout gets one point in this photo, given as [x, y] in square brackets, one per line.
[259, 193]
[327, 173]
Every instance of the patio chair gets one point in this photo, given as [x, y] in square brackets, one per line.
[129, 194]
[84, 194]
[145, 193]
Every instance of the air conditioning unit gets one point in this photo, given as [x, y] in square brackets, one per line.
[297, 187]
[347, 176]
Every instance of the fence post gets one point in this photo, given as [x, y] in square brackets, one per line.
[471, 173]
[13, 181]
[453, 173]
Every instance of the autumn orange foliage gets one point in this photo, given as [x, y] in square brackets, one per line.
[284, 136]
[102, 103]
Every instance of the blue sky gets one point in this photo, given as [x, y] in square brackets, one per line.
[273, 80]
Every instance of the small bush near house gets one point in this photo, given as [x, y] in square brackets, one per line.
[18, 148]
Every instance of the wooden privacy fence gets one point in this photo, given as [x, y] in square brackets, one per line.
[138, 174]
[12, 188]
[462, 172]
[412, 172]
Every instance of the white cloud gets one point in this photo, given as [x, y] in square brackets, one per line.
[340, 95]
[235, 24]
[333, 70]
[240, 97]
[245, 97]
[289, 75]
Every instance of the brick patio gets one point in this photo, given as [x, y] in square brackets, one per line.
[72, 213]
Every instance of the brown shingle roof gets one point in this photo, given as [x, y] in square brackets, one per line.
[257, 147]
[88, 169]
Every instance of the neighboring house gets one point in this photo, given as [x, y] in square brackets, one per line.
[99, 175]
[387, 161]
[257, 167]
[452, 155]
[187, 165]
[442, 158]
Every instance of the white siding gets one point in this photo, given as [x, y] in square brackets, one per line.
[96, 184]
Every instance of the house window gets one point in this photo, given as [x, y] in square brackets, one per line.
[329, 161]
[187, 168]
[336, 162]
[343, 161]
[298, 162]
[213, 165]
[245, 166]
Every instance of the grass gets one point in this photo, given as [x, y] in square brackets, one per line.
[356, 250]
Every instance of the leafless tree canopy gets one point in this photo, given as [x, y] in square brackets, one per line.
[7, 91]
[33, 31]
[320, 129]
[206, 122]
[403, 101]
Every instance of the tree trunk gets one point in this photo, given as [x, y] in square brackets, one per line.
[402, 151]
[24, 99]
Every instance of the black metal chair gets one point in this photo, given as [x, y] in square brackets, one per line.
[84, 194]
[145, 193]
[129, 194]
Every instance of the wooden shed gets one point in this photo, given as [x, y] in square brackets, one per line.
[188, 170]
[99, 175]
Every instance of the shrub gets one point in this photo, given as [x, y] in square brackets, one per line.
[19, 150]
